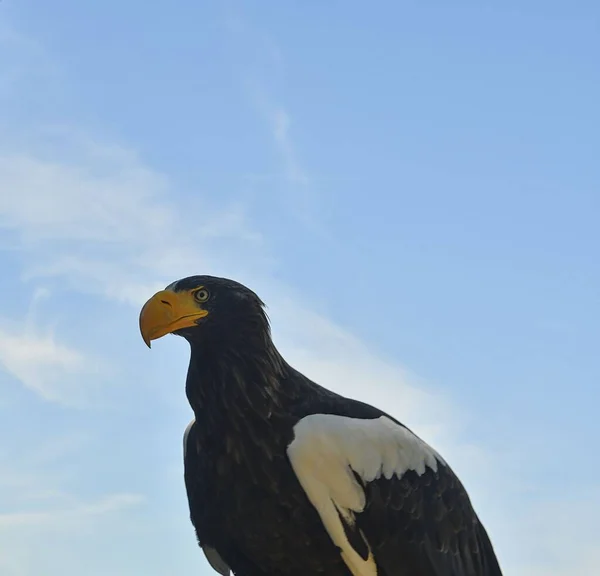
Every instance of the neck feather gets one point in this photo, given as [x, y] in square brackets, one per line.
[234, 381]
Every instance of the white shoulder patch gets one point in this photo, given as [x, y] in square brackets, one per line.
[185, 436]
[327, 448]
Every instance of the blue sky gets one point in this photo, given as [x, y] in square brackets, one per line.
[413, 189]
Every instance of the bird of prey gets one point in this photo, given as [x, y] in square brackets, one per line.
[287, 478]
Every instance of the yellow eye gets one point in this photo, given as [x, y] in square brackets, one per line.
[201, 295]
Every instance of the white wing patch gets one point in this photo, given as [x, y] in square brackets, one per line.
[327, 448]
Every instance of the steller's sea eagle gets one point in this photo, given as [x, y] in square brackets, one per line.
[287, 478]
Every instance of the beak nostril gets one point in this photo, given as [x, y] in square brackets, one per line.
[166, 302]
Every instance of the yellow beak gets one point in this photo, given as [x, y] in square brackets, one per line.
[168, 311]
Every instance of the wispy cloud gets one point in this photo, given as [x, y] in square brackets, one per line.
[65, 518]
[35, 357]
[560, 538]
[279, 123]
[46, 505]
[281, 126]
[40, 362]
[101, 219]
[44, 531]
[262, 73]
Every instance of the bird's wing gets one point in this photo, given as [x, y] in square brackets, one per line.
[194, 491]
[388, 500]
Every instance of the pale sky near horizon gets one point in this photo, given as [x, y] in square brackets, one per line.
[414, 190]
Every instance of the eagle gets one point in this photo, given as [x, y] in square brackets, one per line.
[287, 478]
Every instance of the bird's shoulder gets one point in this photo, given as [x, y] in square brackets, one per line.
[385, 495]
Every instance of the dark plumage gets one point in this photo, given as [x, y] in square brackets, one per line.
[249, 509]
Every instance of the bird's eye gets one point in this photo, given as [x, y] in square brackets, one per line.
[201, 295]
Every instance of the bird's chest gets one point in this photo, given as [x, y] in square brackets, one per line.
[245, 478]
[251, 507]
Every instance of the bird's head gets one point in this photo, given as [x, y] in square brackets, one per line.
[204, 309]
